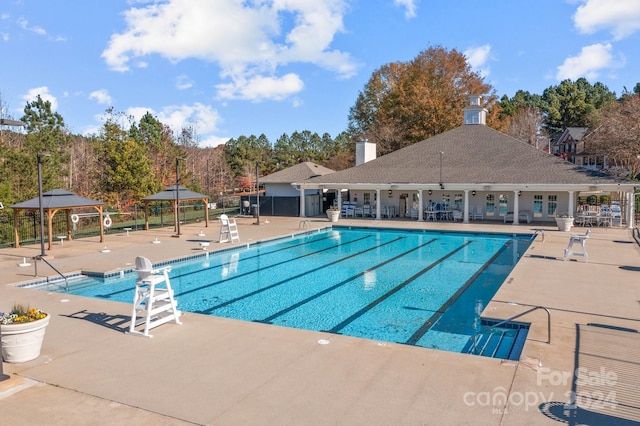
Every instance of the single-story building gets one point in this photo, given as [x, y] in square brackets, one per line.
[477, 170]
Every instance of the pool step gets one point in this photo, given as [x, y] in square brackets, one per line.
[504, 342]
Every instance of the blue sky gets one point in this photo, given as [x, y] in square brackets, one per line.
[242, 67]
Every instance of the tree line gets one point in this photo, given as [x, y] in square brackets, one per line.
[402, 103]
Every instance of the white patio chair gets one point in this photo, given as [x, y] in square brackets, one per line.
[477, 213]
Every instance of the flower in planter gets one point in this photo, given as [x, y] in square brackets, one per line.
[19, 314]
[332, 209]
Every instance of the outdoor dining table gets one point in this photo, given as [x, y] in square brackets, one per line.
[444, 214]
[586, 219]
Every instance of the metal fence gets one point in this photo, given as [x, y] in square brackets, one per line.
[160, 216]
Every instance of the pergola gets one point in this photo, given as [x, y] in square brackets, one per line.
[52, 202]
[169, 194]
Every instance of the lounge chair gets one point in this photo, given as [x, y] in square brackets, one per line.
[477, 213]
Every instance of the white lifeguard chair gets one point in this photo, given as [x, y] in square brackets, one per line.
[578, 239]
[153, 302]
[228, 229]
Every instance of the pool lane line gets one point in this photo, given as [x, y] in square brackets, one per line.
[252, 272]
[278, 283]
[107, 295]
[440, 311]
[270, 318]
[336, 329]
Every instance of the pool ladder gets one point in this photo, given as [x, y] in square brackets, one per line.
[535, 308]
[304, 224]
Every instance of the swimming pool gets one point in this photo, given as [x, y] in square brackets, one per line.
[415, 287]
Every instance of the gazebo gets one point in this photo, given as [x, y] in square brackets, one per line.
[169, 194]
[52, 202]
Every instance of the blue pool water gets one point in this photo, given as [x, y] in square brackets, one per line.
[422, 288]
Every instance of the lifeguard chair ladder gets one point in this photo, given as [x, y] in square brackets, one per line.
[228, 229]
[153, 302]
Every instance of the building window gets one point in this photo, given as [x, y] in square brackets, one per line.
[552, 205]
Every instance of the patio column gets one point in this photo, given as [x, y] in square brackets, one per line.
[420, 206]
[378, 202]
[302, 212]
[339, 198]
[516, 208]
[465, 207]
[571, 208]
[631, 208]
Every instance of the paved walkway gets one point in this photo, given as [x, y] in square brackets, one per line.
[218, 371]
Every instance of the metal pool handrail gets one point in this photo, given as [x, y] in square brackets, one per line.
[475, 341]
[36, 258]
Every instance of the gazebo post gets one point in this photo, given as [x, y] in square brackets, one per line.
[101, 224]
[146, 215]
[15, 227]
[68, 216]
[206, 212]
[50, 228]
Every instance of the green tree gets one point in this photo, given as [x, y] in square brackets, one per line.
[573, 104]
[406, 102]
[125, 172]
[242, 154]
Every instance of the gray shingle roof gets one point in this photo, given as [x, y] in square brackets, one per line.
[297, 173]
[471, 154]
[169, 194]
[57, 199]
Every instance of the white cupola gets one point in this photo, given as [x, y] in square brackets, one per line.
[475, 113]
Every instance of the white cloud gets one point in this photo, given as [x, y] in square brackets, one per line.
[213, 141]
[621, 17]
[183, 82]
[178, 117]
[258, 88]
[32, 95]
[410, 6]
[248, 40]
[24, 24]
[101, 96]
[588, 63]
[478, 57]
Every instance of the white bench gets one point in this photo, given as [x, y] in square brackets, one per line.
[522, 216]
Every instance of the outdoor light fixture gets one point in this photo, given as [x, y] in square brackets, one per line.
[473, 193]
[178, 197]
[430, 192]
[519, 193]
[390, 192]
[40, 206]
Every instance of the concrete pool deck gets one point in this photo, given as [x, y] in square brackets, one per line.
[218, 371]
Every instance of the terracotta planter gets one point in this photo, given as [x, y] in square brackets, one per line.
[22, 342]
[333, 215]
[564, 223]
